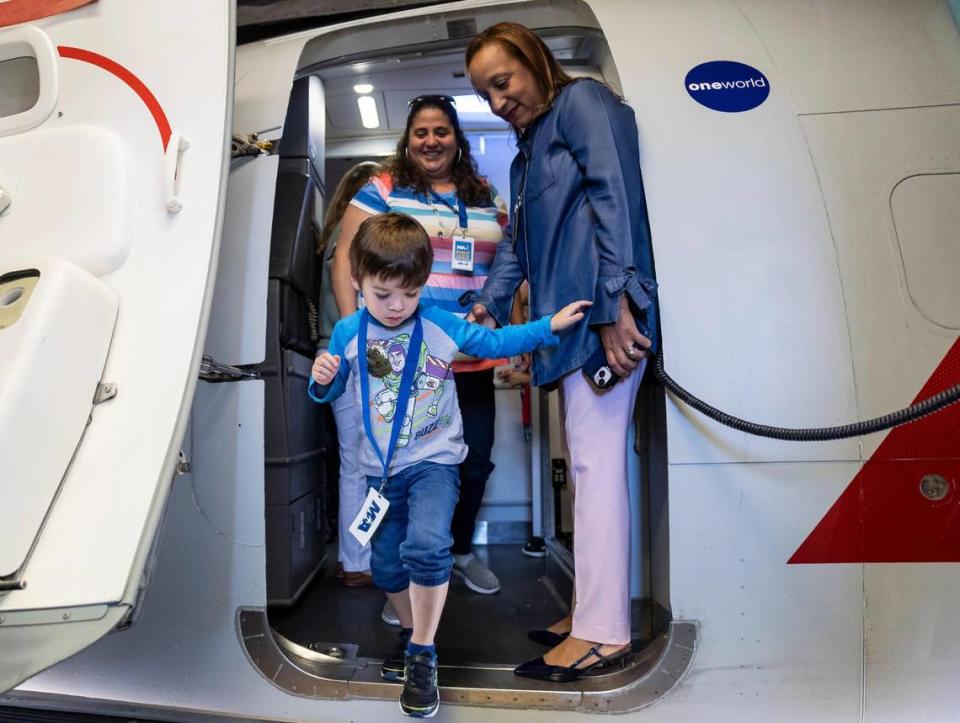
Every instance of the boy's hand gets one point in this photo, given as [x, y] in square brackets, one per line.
[569, 315]
[325, 368]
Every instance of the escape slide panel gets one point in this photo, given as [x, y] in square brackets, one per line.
[111, 166]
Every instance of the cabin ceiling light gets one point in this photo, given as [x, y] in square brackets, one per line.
[363, 88]
[368, 111]
[472, 103]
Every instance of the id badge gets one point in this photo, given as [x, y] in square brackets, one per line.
[462, 258]
[371, 515]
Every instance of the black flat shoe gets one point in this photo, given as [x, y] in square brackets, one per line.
[539, 669]
[547, 637]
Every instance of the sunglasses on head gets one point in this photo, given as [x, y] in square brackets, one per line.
[420, 99]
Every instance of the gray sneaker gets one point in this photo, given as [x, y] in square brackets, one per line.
[389, 615]
[478, 576]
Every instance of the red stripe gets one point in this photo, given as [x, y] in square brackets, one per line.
[148, 98]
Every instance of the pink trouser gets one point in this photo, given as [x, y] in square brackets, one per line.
[595, 429]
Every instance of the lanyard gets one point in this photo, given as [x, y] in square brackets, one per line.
[461, 209]
[403, 394]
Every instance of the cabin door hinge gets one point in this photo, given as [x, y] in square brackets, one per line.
[183, 464]
[105, 391]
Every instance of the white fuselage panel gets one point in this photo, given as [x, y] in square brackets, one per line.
[92, 190]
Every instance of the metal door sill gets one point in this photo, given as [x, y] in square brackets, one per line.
[646, 677]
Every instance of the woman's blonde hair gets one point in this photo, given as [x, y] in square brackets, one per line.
[352, 181]
[526, 46]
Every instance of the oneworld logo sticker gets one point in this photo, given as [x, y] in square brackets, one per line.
[727, 86]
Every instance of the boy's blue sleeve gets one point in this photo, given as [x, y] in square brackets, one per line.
[479, 341]
[323, 393]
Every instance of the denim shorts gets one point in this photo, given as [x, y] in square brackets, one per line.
[413, 542]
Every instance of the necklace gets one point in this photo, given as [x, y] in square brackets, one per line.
[436, 213]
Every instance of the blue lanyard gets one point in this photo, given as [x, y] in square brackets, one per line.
[461, 208]
[403, 394]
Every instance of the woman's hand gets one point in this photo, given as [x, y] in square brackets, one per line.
[623, 343]
[569, 315]
[524, 362]
[513, 378]
[325, 368]
[517, 374]
[479, 315]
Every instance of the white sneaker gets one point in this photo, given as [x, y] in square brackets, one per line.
[477, 576]
[389, 615]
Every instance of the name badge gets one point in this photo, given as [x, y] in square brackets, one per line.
[371, 515]
[462, 259]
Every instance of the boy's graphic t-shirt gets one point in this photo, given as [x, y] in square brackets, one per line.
[431, 427]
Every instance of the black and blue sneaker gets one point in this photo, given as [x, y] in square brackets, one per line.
[392, 668]
[420, 697]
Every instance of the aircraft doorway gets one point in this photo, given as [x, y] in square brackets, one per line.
[332, 637]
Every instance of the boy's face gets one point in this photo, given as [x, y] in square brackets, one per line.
[387, 301]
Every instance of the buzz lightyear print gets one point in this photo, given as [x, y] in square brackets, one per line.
[430, 379]
[428, 387]
[391, 355]
[394, 352]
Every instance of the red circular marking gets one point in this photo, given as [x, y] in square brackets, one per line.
[148, 98]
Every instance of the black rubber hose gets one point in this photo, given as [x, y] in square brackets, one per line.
[811, 434]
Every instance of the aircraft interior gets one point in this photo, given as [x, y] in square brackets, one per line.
[334, 633]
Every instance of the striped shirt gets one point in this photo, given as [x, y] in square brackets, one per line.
[439, 218]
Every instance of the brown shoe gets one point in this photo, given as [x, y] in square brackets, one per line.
[357, 579]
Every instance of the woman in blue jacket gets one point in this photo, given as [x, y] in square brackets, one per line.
[578, 229]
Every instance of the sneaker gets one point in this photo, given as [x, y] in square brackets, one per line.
[389, 615]
[534, 548]
[420, 697]
[478, 576]
[393, 667]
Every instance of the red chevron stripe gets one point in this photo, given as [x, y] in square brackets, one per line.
[882, 516]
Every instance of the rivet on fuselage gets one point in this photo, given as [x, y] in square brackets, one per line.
[934, 487]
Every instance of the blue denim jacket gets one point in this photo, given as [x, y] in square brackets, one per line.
[580, 230]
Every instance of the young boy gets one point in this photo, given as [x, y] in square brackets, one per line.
[395, 358]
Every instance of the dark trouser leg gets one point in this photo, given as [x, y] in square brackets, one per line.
[478, 408]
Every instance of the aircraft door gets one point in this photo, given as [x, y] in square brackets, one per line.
[112, 158]
[295, 434]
